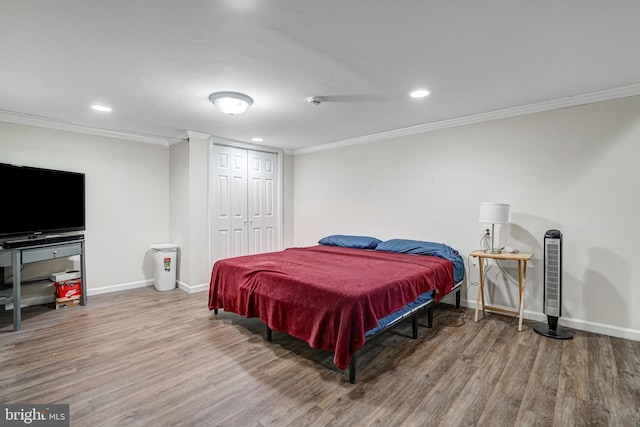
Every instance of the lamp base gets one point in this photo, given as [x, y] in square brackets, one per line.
[492, 251]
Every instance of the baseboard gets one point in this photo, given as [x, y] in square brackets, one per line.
[135, 285]
[582, 325]
[117, 288]
[192, 289]
[599, 328]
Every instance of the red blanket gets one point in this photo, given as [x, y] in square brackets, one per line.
[325, 295]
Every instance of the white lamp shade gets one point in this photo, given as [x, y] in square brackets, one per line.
[231, 102]
[494, 213]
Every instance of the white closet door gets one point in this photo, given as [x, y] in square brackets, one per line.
[262, 202]
[230, 207]
[244, 205]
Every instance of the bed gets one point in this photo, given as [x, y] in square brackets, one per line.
[339, 294]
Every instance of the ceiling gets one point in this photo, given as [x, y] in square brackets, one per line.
[155, 62]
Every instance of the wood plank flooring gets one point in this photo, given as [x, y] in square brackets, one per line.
[148, 358]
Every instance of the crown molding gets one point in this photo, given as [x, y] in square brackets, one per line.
[24, 119]
[219, 140]
[198, 135]
[570, 101]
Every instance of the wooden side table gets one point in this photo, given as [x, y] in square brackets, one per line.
[522, 259]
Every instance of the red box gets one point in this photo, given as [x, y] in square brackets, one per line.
[69, 289]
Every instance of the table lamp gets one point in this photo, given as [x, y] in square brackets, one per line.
[494, 213]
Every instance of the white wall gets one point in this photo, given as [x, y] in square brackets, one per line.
[287, 190]
[179, 195]
[574, 169]
[189, 210]
[127, 198]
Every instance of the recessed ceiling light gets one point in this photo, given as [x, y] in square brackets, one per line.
[101, 108]
[419, 93]
[257, 139]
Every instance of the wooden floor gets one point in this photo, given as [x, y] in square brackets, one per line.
[148, 358]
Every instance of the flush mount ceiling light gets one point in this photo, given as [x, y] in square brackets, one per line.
[231, 102]
[419, 93]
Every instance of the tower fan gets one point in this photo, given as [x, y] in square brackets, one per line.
[553, 287]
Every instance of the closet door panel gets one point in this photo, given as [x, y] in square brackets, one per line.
[229, 232]
[263, 222]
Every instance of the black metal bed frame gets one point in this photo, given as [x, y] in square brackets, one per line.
[413, 315]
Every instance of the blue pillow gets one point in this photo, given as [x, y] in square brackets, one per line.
[419, 247]
[357, 242]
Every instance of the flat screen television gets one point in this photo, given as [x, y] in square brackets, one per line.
[40, 202]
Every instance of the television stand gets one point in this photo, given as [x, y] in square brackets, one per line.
[40, 250]
[40, 240]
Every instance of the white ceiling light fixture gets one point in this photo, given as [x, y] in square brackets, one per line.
[101, 108]
[419, 93]
[257, 139]
[231, 102]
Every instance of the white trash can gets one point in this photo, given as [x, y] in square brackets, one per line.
[164, 266]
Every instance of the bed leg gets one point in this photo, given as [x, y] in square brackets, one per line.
[414, 327]
[430, 316]
[458, 298]
[269, 334]
[215, 311]
[352, 370]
